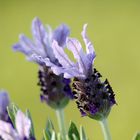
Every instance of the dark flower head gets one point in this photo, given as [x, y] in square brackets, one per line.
[4, 103]
[93, 97]
[55, 90]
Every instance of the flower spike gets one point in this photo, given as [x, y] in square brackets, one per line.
[94, 98]
[40, 50]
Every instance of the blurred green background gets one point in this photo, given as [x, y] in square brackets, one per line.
[113, 26]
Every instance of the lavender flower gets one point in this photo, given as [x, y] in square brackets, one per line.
[4, 103]
[69, 68]
[55, 90]
[22, 131]
[93, 97]
[41, 45]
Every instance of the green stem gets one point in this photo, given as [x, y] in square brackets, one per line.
[105, 129]
[61, 122]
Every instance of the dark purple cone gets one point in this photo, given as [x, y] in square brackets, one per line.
[55, 90]
[94, 98]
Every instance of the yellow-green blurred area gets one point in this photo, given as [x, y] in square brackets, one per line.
[113, 27]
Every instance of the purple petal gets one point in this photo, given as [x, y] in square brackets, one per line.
[68, 72]
[89, 45]
[7, 132]
[38, 30]
[61, 55]
[71, 73]
[4, 102]
[60, 34]
[76, 48]
[68, 67]
[39, 33]
[25, 45]
[20, 48]
[90, 60]
[23, 125]
[28, 45]
[36, 58]
[57, 70]
[42, 38]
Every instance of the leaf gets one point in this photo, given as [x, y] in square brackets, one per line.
[46, 136]
[82, 134]
[53, 137]
[74, 137]
[73, 131]
[12, 111]
[67, 137]
[32, 133]
[59, 137]
[49, 127]
[137, 136]
[49, 130]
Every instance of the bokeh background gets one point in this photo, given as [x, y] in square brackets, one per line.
[113, 26]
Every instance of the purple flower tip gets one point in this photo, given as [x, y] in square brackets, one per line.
[60, 34]
[4, 102]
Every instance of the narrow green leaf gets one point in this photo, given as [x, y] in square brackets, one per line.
[28, 114]
[137, 136]
[67, 137]
[53, 136]
[82, 134]
[12, 111]
[73, 131]
[50, 125]
[15, 108]
[49, 129]
[46, 136]
[59, 137]
[74, 137]
[11, 115]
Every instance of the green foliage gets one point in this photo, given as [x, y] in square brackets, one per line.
[137, 136]
[73, 134]
[12, 111]
[82, 134]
